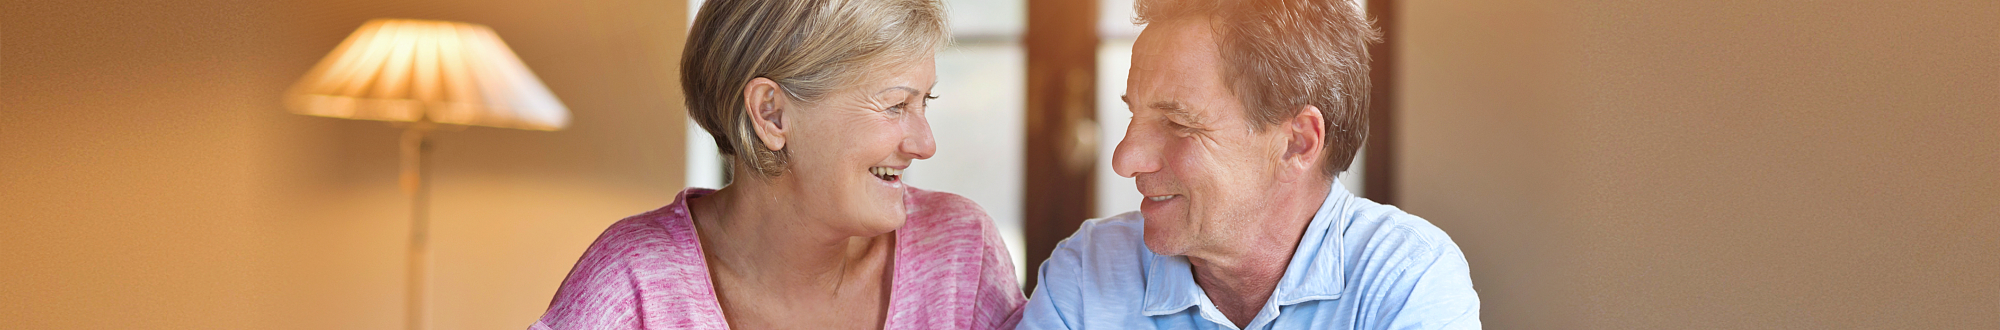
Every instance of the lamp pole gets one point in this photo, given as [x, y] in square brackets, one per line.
[415, 146]
[413, 65]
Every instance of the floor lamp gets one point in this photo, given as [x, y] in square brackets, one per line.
[424, 75]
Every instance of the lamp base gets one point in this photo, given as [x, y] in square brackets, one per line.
[415, 147]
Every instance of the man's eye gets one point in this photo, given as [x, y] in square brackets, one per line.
[1180, 129]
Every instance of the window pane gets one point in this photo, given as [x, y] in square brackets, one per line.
[986, 18]
[1115, 194]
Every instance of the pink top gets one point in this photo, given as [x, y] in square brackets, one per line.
[647, 272]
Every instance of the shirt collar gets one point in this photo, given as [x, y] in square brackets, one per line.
[1316, 271]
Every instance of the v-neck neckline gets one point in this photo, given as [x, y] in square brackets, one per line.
[896, 257]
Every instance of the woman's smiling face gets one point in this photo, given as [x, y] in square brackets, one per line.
[848, 151]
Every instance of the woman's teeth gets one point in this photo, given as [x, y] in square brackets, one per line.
[1162, 198]
[886, 173]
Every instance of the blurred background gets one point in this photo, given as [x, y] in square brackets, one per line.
[1603, 164]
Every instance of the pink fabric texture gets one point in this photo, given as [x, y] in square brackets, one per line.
[647, 272]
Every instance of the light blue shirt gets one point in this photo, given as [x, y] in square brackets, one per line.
[1360, 265]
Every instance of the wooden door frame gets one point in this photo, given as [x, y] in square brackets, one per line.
[1378, 177]
[1059, 190]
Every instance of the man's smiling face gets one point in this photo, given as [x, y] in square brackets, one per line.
[1191, 147]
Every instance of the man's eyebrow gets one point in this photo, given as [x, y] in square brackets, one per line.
[1169, 106]
[1178, 112]
[1174, 109]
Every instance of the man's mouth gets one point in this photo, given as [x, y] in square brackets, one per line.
[1161, 198]
[886, 173]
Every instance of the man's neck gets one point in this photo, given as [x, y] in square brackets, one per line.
[1241, 279]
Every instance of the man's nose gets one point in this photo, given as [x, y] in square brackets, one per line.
[1138, 153]
[917, 140]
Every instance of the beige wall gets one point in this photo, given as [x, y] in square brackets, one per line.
[1711, 164]
[149, 178]
[1605, 164]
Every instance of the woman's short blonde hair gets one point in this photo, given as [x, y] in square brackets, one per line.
[809, 47]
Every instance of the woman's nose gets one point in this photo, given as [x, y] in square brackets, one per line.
[917, 141]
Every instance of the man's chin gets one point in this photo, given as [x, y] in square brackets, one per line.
[1163, 243]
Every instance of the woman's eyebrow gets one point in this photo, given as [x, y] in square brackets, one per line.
[912, 91]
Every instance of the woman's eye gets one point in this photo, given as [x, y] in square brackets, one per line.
[898, 108]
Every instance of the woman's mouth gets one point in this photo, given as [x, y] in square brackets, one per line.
[888, 174]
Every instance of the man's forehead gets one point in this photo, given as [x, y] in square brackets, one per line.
[1180, 40]
[1177, 71]
[1177, 54]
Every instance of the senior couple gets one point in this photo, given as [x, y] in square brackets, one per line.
[1242, 112]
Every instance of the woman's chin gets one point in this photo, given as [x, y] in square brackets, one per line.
[886, 226]
[877, 218]
[893, 218]
[874, 225]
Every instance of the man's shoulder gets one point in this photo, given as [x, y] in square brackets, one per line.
[1112, 247]
[1386, 228]
[1400, 259]
[1096, 275]
[1120, 234]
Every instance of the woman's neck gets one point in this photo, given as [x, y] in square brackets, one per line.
[756, 231]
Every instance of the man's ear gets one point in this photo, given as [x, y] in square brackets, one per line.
[765, 104]
[1305, 144]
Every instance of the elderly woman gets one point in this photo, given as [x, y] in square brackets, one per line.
[820, 105]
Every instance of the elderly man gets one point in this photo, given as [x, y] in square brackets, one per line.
[1243, 111]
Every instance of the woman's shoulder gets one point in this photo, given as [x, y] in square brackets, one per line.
[668, 228]
[647, 266]
[659, 242]
[956, 260]
[931, 211]
[950, 228]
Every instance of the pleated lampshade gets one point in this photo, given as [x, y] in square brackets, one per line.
[432, 71]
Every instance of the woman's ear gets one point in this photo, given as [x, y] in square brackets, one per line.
[1305, 135]
[766, 109]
